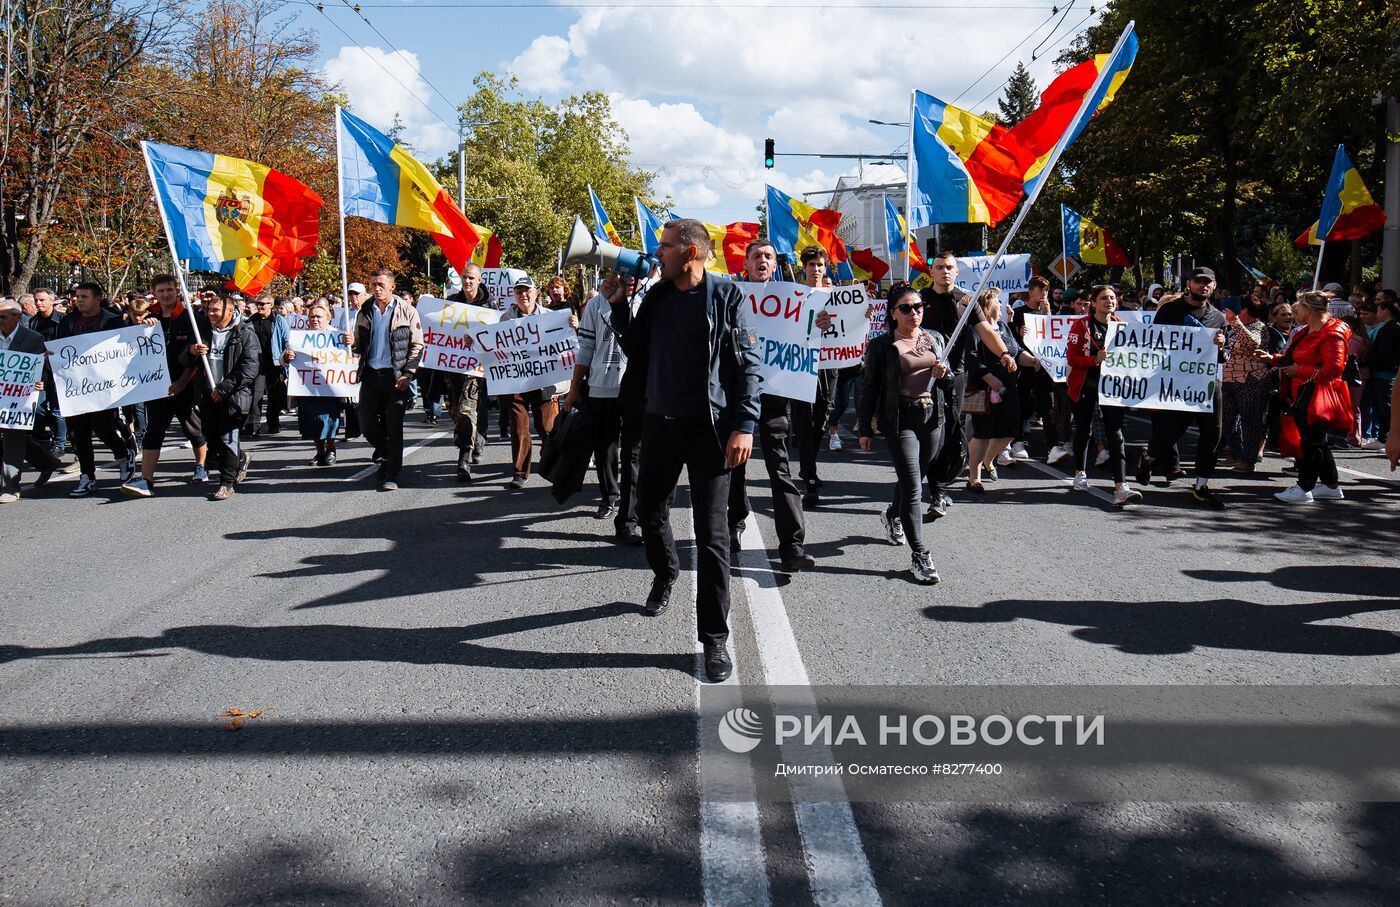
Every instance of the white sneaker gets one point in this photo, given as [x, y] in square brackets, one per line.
[1057, 453]
[1295, 495]
[1019, 452]
[1004, 459]
[1081, 482]
[1124, 495]
[1102, 458]
[835, 443]
[894, 529]
[137, 487]
[127, 467]
[921, 565]
[86, 485]
[1372, 444]
[1322, 492]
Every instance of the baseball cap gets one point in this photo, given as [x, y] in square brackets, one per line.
[1201, 274]
[1334, 288]
[357, 288]
[524, 281]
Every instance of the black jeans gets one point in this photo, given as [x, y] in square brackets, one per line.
[382, 409]
[252, 424]
[221, 431]
[276, 399]
[617, 446]
[1169, 425]
[1316, 464]
[668, 445]
[1037, 390]
[919, 438]
[110, 428]
[775, 433]
[808, 425]
[159, 414]
[1084, 428]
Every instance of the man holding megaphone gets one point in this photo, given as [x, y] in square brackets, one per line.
[693, 363]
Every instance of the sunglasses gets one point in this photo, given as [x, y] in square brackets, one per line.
[910, 308]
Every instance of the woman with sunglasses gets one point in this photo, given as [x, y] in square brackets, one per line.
[1085, 353]
[899, 399]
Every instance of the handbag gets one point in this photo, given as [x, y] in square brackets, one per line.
[1325, 406]
[976, 403]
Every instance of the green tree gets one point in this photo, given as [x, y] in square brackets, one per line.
[1020, 98]
[1278, 258]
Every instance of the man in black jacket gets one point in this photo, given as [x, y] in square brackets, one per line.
[90, 316]
[1192, 309]
[692, 361]
[232, 348]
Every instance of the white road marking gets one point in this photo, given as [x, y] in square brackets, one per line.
[369, 470]
[1068, 480]
[837, 867]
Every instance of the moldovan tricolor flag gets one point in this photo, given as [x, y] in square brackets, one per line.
[648, 227]
[794, 225]
[1087, 241]
[603, 229]
[730, 242]
[382, 182]
[220, 208]
[487, 253]
[962, 168]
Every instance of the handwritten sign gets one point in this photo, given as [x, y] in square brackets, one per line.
[843, 344]
[878, 310]
[107, 369]
[1012, 275]
[322, 365]
[527, 354]
[448, 329]
[1047, 338]
[1160, 366]
[500, 283]
[297, 321]
[1135, 316]
[788, 345]
[19, 372]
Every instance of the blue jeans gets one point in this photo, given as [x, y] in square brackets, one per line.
[1375, 407]
[47, 412]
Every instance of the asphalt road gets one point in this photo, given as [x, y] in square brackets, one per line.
[462, 702]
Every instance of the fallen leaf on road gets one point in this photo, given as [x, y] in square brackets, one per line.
[240, 717]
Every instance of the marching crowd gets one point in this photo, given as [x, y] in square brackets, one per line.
[1301, 375]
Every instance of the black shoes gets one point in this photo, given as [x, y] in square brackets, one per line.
[796, 563]
[1143, 471]
[659, 599]
[718, 667]
[464, 467]
[630, 535]
[605, 510]
[736, 541]
[812, 496]
[1207, 498]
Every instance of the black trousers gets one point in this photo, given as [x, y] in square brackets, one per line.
[1317, 463]
[918, 439]
[1113, 417]
[668, 445]
[160, 413]
[1037, 390]
[1167, 428]
[617, 447]
[808, 425]
[109, 427]
[382, 409]
[276, 399]
[251, 425]
[775, 434]
[221, 428]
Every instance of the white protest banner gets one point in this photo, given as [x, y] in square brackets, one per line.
[297, 321]
[787, 345]
[527, 354]
[448, 341]
[107, 369]
[19, 372]
[500, 283]
[1013, 274]
[1047, 336]
[322, 365]
[1160, 366]
[1135, 316]
[878, 308]
[843, 344]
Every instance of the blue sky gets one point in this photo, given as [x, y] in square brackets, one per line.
[697, 88]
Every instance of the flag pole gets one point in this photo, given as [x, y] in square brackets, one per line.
[1317, 272]
[909, 193]
[1044, 178]
[1064, 250]
[175, 263]
[340, 215]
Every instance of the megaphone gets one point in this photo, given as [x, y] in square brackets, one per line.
[583, 248]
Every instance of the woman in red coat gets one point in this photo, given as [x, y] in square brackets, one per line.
[1086, 353]
[1311, 366]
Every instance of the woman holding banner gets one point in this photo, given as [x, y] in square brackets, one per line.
[318, 418]
[1085, 353]
[898, 397]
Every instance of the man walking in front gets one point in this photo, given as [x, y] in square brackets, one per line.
[692, 362]
[388, 338]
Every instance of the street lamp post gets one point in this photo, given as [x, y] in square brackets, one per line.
[462, 127]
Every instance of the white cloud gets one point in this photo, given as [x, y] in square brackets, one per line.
[540, 67]
[382, 84]
[698, 195]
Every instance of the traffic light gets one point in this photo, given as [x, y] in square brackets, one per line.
[768, 153]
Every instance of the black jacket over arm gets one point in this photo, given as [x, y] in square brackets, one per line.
[880, 383]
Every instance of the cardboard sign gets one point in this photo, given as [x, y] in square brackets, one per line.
[19, 372]
[527, 354]
[108, 369]
[1160, 366]
[448, 335]
[787, 345]
[297, 321]
[1047, 337]
[843, 344]
[323, 365]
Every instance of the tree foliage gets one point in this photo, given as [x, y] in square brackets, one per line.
[1020, 99]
